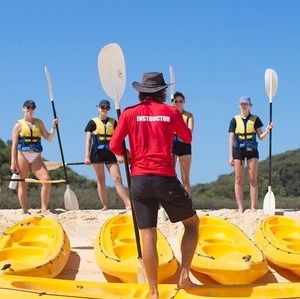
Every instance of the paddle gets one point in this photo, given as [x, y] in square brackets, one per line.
[112, 74]
[70, 199]
[271, 85]
[52, 165]
[172, 81]
[29, 180]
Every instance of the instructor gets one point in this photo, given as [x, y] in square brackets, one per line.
[151, 126]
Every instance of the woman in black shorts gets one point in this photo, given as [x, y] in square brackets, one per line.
[99, 131]
[183, 151]
[243, 130]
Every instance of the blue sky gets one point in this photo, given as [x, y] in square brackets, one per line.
[219, 50]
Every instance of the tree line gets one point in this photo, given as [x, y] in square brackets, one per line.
[214, 195]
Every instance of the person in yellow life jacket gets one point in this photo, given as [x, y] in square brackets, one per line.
[183, 151]
[243, 130]
[26, 153]
[99, 131]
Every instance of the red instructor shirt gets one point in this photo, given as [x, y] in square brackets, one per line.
[150, 127]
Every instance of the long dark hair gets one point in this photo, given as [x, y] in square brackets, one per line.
[178, 94]
[159, 96]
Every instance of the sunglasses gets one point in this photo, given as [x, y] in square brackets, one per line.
[180, 101]
[30, 107]
[105, 108]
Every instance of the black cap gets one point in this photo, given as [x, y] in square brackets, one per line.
[29, 103]
[104, 103]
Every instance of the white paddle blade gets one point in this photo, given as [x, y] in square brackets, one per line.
[172, 81]
[49, 83]
[70, 200]
[52, 165]
[112, 72]
[269, 203]
[271, 83]
[140, 273]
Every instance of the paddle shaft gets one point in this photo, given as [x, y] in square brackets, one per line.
[270, 147]
[29, 180]
[59, 142]
[136, 230]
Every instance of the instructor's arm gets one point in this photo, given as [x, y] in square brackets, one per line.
[181, 129]
[116, 142]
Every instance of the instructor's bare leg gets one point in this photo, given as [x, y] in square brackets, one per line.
[252, 173]
[238, 183]
[188, 247]
[39, 169]
[114, 171]
[101, 188]
[150, 259]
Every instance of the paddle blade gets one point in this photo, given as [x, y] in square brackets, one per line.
[141, 274]
[271, 83]
[70, 200]
[269, 203]
[49, 83]
[172, 81]
[112, 72]
[52, 165]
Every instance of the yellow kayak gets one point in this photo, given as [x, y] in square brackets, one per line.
[116, 252]
[35, 246]
[16, 287]
[279, 239]
[226, 254]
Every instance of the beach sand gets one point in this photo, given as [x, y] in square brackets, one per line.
[82, 227]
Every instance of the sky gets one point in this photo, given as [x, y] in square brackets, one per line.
[219, 50]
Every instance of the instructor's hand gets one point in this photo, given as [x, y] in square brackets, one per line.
[120, 159]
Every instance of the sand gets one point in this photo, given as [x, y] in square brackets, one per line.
[82, 227]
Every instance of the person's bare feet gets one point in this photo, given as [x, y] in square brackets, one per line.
[186, 284]
[105, 208]
[153, 293]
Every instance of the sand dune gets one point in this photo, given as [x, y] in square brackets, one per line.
[82, 227]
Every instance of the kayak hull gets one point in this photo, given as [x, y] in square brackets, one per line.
[15, 287]
[279, 239]
[116, 252]
[35, 246]
[226, 254]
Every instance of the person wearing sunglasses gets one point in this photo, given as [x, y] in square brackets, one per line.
[26, 153]
[181, 150]
[243, 130]
[99, 132]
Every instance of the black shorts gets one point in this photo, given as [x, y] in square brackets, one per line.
[149, 191]
[181, 148]
[103, 156]
[243, 154]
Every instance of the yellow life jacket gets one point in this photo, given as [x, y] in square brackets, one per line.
[104, 131]
[245, 131]
[186, 116]
[30, 136]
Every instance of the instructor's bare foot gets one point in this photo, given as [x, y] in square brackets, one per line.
[186, 284]
[153, 294]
